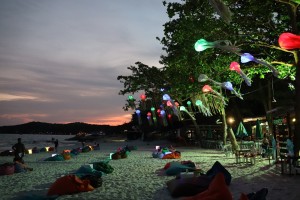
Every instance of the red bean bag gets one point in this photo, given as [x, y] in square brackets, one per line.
[69, 184]
[173, 155]
[217, 189]
[7, 169]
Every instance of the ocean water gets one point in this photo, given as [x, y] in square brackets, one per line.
[33, 140]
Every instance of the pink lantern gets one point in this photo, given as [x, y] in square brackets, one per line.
[289, 41]
[149, 114]
[176, 104]
[206, 88]
[235, 66]
[169, 103]
[143, 97]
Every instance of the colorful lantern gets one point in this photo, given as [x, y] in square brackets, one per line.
[247, 57]
[289, 41]
[143, 97]
[154, 115]
[163, 116]
[235, 66]
[149, 118]
[138, 113]
[228, 86]
[225, 45]
[169, 104]
[189, 103]
[206, 88]
[202, 108]
[166, 97]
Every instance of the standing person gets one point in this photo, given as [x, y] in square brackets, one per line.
[56, 145]
[19, 151]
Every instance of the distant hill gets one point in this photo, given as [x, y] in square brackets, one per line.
[62, 129]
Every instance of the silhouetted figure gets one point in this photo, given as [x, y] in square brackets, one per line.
[56, 145]
[19, 151]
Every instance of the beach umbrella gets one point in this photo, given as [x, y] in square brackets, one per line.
[258, 130]
[241, 131]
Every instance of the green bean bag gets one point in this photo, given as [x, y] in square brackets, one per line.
[103, 166]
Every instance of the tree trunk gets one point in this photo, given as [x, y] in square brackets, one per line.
[297, 107]
[234, 143]
[224, 127]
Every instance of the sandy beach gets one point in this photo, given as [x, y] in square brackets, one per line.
[136, 177]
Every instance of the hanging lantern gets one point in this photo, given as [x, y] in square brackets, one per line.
[189, 103]
[154, 115]
[206, 88]
[138, 113]
[130, 98]
[247, 57]
[228, 86]
[235, 66]
[166, 97]
[202, 44]
[163, 116]
[149, 118]
[143, 97]
[169, 104]
[289, 41]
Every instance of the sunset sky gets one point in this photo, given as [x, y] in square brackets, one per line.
[59, 59]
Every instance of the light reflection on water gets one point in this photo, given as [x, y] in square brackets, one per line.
[33, 140]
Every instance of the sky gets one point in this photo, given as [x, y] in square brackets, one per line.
[59, 59]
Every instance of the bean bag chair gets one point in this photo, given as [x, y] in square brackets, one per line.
[7, 169]
[183, 187]
[124, 154]
[66, 156]
[19, 168]
[75, 151]
[86, 149]
[43, 149]
[173, 155]
[103, 167]
[216, 168]
[51, 149]
[116, 156]
[35, 150]
[69, 184]
[95, 181]
[87, 170]
[217, 189]
[176, 168]
[55, 158]
[7, 153]
[66, 151]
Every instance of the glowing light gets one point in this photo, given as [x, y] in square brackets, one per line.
[143, 97]
[166, 97]
[169, 103]
[206, 88]
[202, 44]
[289, 41]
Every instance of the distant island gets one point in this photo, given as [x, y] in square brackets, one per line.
[63, 129]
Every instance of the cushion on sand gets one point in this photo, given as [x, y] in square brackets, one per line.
[173, 155]
[216, 168]
[103, 167]
[176, 168]
[55, 158]
[7, 169]
[87, 170]
[188, 186]
[217, 189]
[69, 184]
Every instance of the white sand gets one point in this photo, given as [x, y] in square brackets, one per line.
[135, 177]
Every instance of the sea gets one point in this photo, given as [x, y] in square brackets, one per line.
[34, 140]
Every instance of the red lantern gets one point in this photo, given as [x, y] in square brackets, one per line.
[206, 88]
[149, 114]
[143, 97]
[235, 66]
[289, 41]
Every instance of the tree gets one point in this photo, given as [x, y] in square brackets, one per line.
[254, 29]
